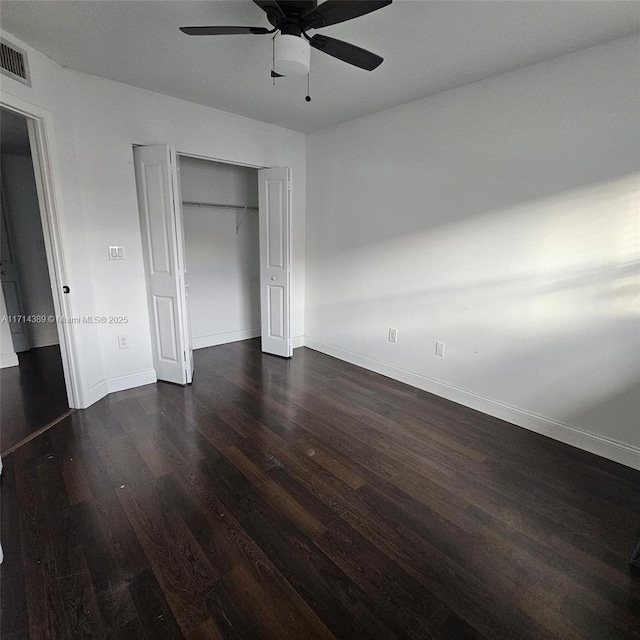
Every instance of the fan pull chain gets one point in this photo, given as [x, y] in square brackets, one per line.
[308, 97]
[273, 60]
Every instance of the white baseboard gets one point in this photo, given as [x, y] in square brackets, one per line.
[103, 388]
[223, 338]
[8, 360]
[94, 393]
[132, 380]
[605, 447]
[298, 341]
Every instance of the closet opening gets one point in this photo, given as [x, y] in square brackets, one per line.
[222, 250]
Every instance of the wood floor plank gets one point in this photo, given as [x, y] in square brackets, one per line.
[393, 591]
[133, 630]
[108, 580]
[153, 458]
[208, 630]
[275, 612]
[154, 612]
[325, 588]
[182, 569]
[80, 607]
[121, 537]
[75, 480]
[13, 605]
[513, 521]
[227, 611]
[44, 614]
[505, 572]
[331, 460]
[62, 520]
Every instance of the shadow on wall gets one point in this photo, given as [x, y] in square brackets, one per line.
[538, 304]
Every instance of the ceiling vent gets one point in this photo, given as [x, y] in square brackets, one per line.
[13, 62]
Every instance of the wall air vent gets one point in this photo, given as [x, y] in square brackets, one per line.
[13, 62]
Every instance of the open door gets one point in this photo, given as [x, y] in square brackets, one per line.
[275, 261]
[160, 206]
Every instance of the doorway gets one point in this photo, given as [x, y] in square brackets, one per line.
[32, 379]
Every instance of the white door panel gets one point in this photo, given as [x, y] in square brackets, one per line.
[275, 260]
[163, 246]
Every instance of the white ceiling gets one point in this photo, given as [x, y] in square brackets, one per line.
[428, 46]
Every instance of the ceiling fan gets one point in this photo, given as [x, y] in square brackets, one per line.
[292, 19]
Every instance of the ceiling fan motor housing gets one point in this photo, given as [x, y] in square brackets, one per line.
[291, 54]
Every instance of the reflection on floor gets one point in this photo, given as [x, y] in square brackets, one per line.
[33, 394]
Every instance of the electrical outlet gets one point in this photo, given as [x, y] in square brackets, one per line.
[123, 341]
[393, 335]
[440, 349]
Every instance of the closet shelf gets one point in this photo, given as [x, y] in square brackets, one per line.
[216, 205]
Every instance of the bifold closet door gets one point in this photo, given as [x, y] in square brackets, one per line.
[275, 260]
[160, 205]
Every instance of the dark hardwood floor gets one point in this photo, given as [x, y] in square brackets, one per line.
[32, 394]
[310, 499]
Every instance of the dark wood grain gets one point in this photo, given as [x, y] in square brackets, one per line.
[13, 605]
[308, 498]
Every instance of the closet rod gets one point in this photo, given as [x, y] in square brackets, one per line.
[216, 205]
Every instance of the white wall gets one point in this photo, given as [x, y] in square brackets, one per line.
[96, 123]
[23, 212]
[222, 252]
[502, 219]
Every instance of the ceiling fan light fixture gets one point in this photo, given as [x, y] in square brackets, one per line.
[291, 55]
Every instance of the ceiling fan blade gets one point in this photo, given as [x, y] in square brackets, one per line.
[269, 5]
[298, 7]
[276, 75]
[335, 11]
[223, 31]
[274, 11]
[346, 52]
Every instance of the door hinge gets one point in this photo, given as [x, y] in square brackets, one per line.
[184, 353]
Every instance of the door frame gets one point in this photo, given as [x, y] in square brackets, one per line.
[44, 157]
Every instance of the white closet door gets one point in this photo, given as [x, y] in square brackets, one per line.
[275, 260]
[160, 208]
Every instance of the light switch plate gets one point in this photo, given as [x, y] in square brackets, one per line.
[116, 252]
